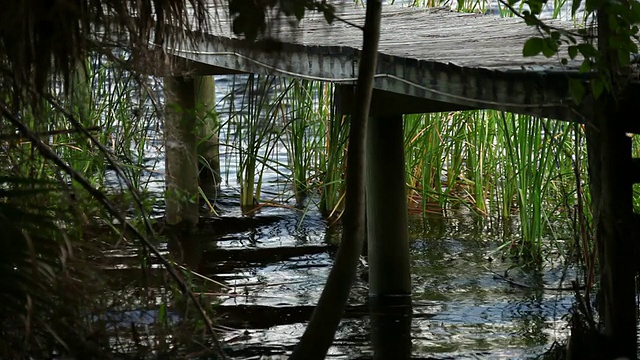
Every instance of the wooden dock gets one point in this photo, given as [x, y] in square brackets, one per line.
[430, 59]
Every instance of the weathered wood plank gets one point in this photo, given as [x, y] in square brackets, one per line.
[467, 60]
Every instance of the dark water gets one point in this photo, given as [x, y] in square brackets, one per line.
[463, 308]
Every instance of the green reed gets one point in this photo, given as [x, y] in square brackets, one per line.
[530, 149]
[47, 214]
[332, 161]
[255, 135]
[300, 137]
[424, 153]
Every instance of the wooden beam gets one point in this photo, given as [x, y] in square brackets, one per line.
[390, 104]
[158, 63]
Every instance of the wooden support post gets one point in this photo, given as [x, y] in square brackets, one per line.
[609, 151]
[388, 248]
[181, 160]
[387, 209]
[208, 141]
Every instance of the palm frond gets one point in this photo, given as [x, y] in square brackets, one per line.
[39, 38]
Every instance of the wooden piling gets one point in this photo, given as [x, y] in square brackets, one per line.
[387, 209]
[208, 141]
[388, 239]
[181, 160]
[611, 181]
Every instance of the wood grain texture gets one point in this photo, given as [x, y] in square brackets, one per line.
[469, 60]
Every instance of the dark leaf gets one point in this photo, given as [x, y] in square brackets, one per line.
[533, 46]
[591, 5]
[575, 6]
[549, 47]
[535, 6]
[585, 67]
[329, 15]
[623, 55]
[597, 86]
[577, 90]
[573, 52]
[587, 50]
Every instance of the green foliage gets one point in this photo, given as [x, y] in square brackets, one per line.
[617, 41]
[252, 130]
[55, 234]
[251, 18]
[45, 289]
[536, 45]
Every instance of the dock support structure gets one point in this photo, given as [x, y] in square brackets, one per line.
[208, 141]
[388, 247]
[181, 159]
[189, 130]
[611, 181]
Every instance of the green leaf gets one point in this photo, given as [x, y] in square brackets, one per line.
[329, 14]
[623, 57]
[587, 50]
[549, 48]
[564, 61]
[597, 86]
[535, 6]
[585, 67]
[575, 6]
[573, 52]
[635, 11]
[577, 90]
[533, 46]
[630, 46]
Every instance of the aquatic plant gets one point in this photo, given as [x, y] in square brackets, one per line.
[255, 135]
[299, 137]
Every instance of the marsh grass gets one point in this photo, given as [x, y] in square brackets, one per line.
[499, 166]
[254, 133]
[299, 138]
[502, 167]
[56, 292]
[333, 164]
